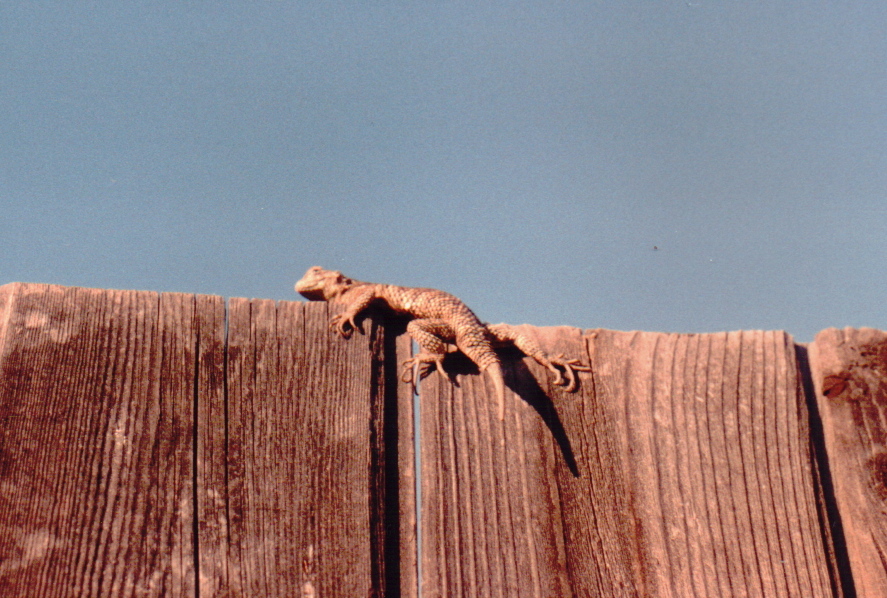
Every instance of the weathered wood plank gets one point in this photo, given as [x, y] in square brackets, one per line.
[683, 468]
[299, 497]
[400, 495]
[96, 417]
[137, 443]
[491, 514]
[211, 500]
[849, 371]
[713, 433]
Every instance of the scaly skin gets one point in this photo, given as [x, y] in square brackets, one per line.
[441, 324]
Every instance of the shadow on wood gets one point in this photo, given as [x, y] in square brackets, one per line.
[696, 475]
[849, 373]
[524, 385]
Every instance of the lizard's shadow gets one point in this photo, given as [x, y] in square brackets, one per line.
[518, 378]
[522, 382]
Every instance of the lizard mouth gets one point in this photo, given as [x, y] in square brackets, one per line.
[309, 293]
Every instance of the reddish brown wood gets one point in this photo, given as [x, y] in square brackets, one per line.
[849, 371]
[210, 461]
[712, 432]
[159, 445]
[96, 417]
[144, 453]
[491, 511]
[683, 468]
[404, 478]
[299, 498]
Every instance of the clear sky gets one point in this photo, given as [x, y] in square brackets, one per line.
[660, 165]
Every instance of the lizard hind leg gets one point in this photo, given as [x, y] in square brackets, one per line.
[475, 342]
[431, 335]
[563, 369]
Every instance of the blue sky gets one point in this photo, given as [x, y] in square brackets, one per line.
[677, 166]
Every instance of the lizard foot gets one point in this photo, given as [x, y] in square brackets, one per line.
[569, 366]
[344, 325]
[419, 367]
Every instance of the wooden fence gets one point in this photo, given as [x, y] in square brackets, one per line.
[172, 445]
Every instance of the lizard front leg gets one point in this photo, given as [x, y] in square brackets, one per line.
[344, 323]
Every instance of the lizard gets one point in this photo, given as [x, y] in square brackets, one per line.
[441, 323]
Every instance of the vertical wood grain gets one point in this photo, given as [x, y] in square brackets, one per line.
[401, 495]
[849, 372]
[491, 511]
[299, 497]
[145, 453]
[210, 457]
[96, 414]
[683, 468]
[713, 434]
[159, 445]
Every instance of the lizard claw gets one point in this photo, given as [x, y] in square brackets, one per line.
[422, 362]
[344, 325]
[569, 366]
[408, 377]
[414, 371]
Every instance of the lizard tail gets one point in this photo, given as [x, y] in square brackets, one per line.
[474, 341]
[495, 370]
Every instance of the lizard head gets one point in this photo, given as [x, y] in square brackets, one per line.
[322, 285]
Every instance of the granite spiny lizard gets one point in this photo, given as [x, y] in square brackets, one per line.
[441, 324]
